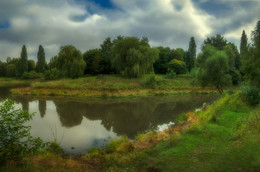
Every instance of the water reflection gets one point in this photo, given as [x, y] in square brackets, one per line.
[93, 122]
[42, 107]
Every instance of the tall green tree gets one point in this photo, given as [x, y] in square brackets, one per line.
[134, 57]
[231, 56]
[177, 54]
[218, 41]
[53, 62]
[12, 67]
[31, 65]
[161, 64]
[23, 66]
[41, 62]
[94, 63]
[214, 68]
[243, 46]
[106, 50]
[2, 68]
[251, 65]
[191, 54]
[237, 56]
[70, 62]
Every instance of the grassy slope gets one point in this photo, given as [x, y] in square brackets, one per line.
[224, 137]
[228, 139]
[112, 85]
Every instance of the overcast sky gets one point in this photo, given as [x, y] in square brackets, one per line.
[86, 23]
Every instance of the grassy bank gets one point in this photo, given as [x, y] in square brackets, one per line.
[114, 86]
[6, 82]
[223, 137]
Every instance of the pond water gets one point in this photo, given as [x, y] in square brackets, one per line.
[80, 124]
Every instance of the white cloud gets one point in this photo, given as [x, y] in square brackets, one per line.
[236, 33]
[86, 25]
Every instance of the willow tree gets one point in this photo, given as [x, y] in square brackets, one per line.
[70, 62]
[133, 57]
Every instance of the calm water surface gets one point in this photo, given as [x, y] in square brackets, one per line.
[80, 124]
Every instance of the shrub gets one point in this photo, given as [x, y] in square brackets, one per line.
[16, 140]
[251, 94]
[31, 75]
[115, 144]
[150, 82]
[177, 66]
[55, 148]
[170, 75]
[235, 75]
[51, 74]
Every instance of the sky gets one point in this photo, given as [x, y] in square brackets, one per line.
[87, 23]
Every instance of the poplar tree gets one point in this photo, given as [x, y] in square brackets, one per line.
[243, 46]
[251, 66]
[191, 54]
[41, 63]
[23, 61]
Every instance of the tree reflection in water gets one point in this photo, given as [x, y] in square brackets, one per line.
[125, 116]
[93, 122]
[42, 107]
[129, 117]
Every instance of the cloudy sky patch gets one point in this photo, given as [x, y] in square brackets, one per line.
[86, 23]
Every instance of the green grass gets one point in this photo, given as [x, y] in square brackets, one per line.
[114, 86]
[115, 82]
[13, 82]
[214, 145]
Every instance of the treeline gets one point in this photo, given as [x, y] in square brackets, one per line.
[128, 56]
[219, 62]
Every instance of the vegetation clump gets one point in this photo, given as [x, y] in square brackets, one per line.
[16, 141]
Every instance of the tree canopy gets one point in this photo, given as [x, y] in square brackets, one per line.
[214, 68]
[251, 65]
[218, 41]
[107, 56]
[70, 62]
[41, 63]
[191, 56]
[133, 57]
[23, 65]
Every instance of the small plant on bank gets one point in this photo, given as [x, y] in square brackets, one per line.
[170, 75]
[31, 75]
[16, 140]
[251, 94]
[55, 148]
[51, 74]
[150, 82]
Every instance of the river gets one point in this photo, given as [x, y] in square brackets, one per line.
[79, 124]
